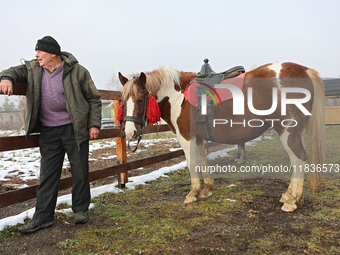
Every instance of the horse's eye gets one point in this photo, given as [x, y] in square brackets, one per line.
[140, 101]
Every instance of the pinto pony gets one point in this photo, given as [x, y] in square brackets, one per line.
[167, 86]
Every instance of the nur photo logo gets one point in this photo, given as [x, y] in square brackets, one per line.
[239, 103]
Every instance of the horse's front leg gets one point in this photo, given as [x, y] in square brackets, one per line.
[197, 163]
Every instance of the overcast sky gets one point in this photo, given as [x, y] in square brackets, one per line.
[109, 36]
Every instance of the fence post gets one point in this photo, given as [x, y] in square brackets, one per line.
[121, 150]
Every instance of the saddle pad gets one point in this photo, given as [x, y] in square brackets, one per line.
[224, 94]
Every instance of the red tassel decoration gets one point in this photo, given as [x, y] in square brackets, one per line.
[120, 114]
[153, 114]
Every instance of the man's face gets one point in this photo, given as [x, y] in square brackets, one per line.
[44, 58]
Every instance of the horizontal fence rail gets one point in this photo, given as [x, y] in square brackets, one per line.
[22, 142]
[24, 194]
[19, 89]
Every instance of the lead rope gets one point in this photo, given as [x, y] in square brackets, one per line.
[134, 150]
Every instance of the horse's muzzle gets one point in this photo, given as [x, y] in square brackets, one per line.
[136, 135]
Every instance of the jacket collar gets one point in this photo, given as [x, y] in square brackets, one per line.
[68, 58]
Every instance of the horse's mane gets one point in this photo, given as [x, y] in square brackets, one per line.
[165, 76]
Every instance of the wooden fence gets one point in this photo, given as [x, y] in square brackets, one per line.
[332, 115]
[21, 142]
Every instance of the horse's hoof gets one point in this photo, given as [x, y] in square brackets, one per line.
[239, 161]
[206, 195]
[189, 200]
[286, 208]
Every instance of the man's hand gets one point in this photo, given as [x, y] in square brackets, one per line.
[6, 87]
[93, 132]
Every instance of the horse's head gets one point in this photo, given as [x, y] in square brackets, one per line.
[135, 97]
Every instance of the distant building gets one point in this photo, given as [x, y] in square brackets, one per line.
[108, 109]
[11, 120]
[332, 91]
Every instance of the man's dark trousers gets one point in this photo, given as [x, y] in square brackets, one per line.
[53, 143]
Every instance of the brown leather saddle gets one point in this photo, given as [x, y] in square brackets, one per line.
[208, 77]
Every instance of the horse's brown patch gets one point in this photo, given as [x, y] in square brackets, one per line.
[261, 72]
[186, 112]
[295, 143]
[165, 108]
[184, 123]
[185, 79]
[291, 70]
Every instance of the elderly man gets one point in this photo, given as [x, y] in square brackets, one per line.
[64, 105]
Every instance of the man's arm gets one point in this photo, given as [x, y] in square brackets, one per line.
[92, 96]
[10, 76]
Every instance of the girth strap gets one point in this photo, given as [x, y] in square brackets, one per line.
[205, 122]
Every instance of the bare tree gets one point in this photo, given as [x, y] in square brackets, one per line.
[22, 106]
[8, 105]
[114, 83]
[13, 113]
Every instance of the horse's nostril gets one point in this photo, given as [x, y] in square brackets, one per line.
[136, 134]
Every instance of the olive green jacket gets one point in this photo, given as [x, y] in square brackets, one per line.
[83, 101]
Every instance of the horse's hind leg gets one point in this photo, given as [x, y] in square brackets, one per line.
[292, 143]
[202, 161]
[208, 181]
[241, 154]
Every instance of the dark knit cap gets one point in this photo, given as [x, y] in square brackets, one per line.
[48, 44]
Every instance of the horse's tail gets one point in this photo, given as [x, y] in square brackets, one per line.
[316, 129]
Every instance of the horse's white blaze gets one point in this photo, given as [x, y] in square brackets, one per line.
[276, 67]
[130, 128]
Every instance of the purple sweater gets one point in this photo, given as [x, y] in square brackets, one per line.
[52, 110]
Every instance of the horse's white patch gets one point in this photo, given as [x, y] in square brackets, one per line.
[129, 125]
[176, 108]
[294, 160]
[276, 67]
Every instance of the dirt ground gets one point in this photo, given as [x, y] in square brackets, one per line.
[222, 237]
[255, 226]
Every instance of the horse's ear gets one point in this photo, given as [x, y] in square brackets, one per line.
[142, 79]
[122, 79]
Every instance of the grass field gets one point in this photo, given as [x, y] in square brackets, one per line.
[243, 216]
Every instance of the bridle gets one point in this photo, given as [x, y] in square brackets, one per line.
[141, 121]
